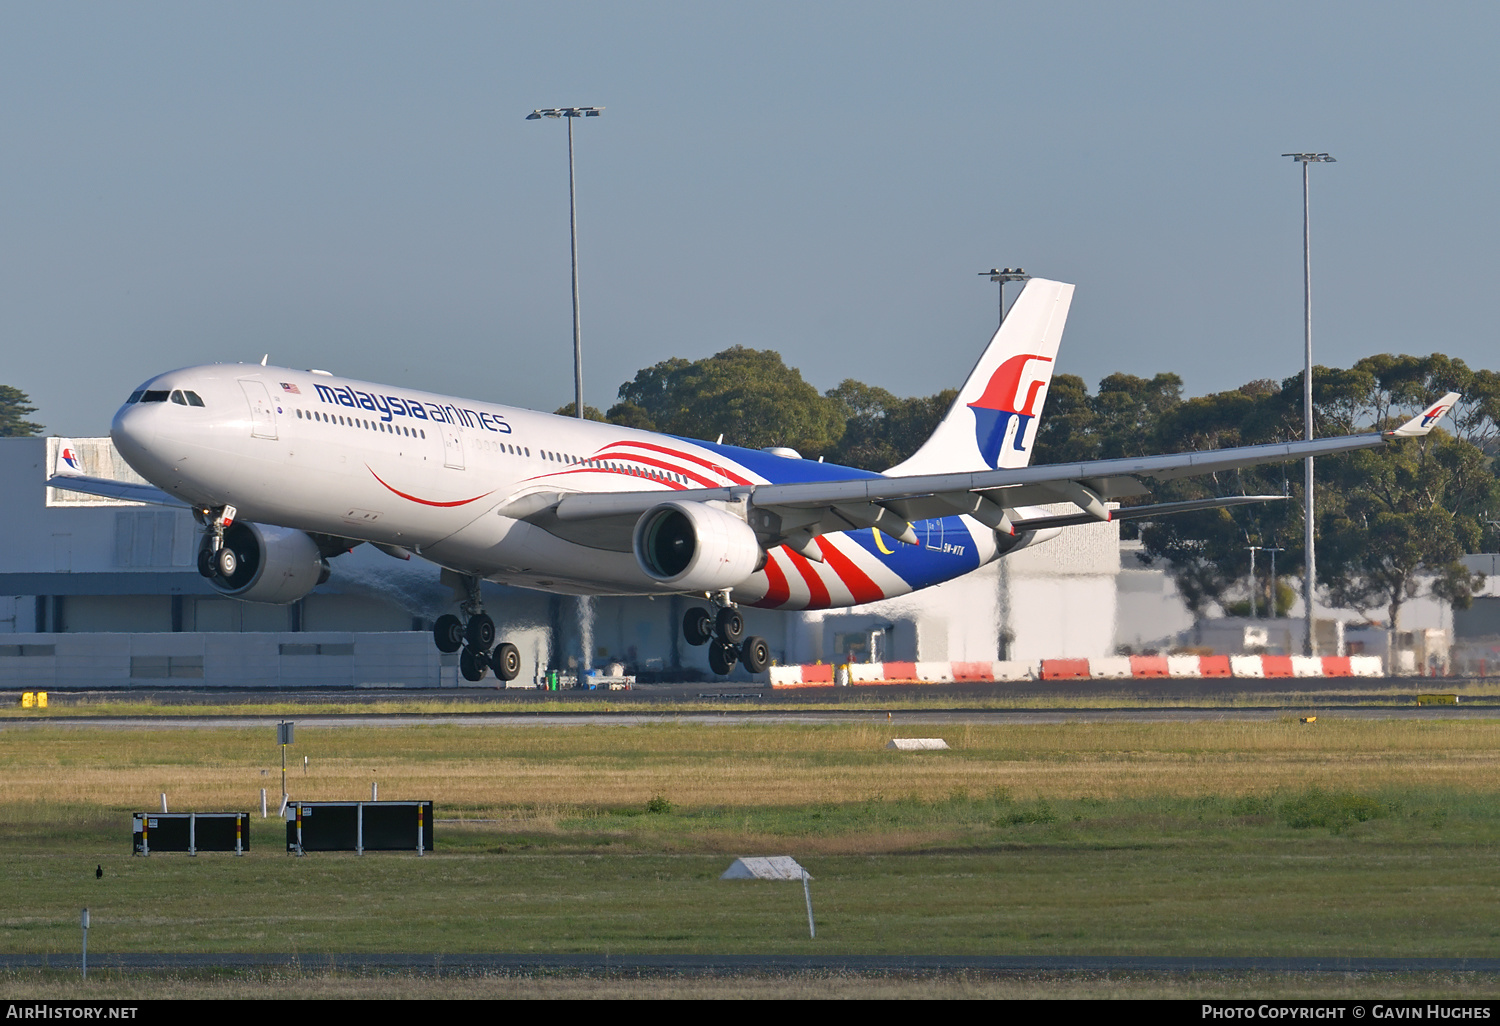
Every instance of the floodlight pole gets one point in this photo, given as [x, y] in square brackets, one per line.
[1271, 613]
[570, 113]
[585, 604]
[1253, 550]
[1310, 643]
[1002, 276]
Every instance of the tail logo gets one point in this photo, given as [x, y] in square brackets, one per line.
[1010, 395]
[1435, 413]
[69, 457]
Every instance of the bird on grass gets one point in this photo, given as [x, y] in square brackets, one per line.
[99, 872]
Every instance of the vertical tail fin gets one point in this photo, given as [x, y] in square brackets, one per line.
[994, 420]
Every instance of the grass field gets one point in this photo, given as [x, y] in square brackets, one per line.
[1344, 837]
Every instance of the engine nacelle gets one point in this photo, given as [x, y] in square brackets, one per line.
[272, 564]
[695, 547]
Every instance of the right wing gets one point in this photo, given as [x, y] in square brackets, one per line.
[795, 514]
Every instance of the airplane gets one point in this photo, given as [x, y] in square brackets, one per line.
[285, 469]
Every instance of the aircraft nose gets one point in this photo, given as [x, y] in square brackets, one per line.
[136, 434]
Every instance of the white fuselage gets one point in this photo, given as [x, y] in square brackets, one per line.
[430, 473]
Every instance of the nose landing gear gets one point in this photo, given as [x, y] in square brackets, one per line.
[215, 559]
[724, 633]
[473, 638]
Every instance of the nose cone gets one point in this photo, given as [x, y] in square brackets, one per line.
[137, 434]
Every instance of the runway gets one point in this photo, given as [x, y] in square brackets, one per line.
[1163, 701]
[626, 718]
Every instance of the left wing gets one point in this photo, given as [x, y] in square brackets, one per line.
[795, 514]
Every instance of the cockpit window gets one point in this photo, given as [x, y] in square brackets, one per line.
[193, 398]
[178, 397]
[154, 396]
[135, 396]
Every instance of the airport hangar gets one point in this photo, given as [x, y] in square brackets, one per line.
[102, 593]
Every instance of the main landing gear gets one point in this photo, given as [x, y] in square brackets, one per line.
[724, 634]
[473, 638]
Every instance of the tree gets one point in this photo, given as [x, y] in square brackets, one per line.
[1389, 518]
[1401, 513]
[589, 412]
[880, 429]
[14, 406]
[748, 395]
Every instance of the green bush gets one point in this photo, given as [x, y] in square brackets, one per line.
[1037, 812]
[1318, 808]
[659, 804]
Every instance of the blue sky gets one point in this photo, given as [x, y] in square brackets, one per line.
[353, 186]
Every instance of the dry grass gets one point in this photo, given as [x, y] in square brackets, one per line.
[541, 773]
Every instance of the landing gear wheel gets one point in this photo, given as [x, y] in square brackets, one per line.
[472, 664]
[721, 657]
[226, 562]
[755, 654]
[731, 626]
[697, 626]
[480, 633]
[205, 562]
[506, 661]
[448, 633]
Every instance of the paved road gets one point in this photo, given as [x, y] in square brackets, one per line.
[712, 964]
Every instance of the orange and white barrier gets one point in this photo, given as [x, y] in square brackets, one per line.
[1197, 667]
[823, 675]
[812, 675]
[826, 675]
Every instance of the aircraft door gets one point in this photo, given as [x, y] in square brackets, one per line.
[262, 411]
[453, 447]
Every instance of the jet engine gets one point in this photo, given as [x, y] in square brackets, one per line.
[264, 564]
[695, 547]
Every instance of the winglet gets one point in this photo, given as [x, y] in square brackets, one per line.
[1424, 421]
